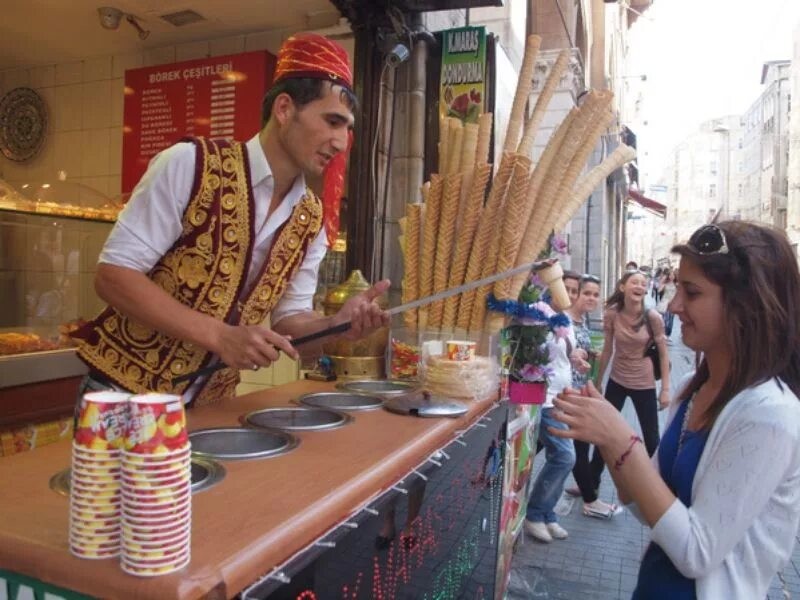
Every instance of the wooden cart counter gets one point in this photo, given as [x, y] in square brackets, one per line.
[263, 512]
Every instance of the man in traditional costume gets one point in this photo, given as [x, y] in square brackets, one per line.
[220, 236]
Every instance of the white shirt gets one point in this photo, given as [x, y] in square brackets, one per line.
[740, 529]
[559, 363]
[151, 222]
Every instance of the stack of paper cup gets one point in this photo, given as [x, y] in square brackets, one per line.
[95, 489]
[156, 487]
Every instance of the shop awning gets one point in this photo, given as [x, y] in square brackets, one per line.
[646, 203]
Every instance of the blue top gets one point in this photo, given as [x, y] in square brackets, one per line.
[658, 577]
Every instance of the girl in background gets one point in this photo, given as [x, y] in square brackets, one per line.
[627, 337]
[587, 302]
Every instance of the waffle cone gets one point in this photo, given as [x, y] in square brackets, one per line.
[428, 244]
[484, 139]
[469, 223]
[600, 120]
[524, 84]
[483, 236]
[532, 126]
[413, 224]
[443, 145]
[583, 189]
[556, 173]
[469, 146]
[456, 145]
[444, 244]
[517, 211]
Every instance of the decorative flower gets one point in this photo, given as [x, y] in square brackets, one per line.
[533, 319]
[559, 245]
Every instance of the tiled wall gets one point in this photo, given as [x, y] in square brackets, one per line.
[85, 101]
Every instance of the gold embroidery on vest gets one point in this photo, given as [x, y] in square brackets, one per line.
[145, 360]
[192, 274]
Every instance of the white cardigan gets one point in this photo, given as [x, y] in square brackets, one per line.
[741, 527]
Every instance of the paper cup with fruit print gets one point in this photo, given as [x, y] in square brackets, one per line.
[143, 570]
[100, 423]
[156, 426]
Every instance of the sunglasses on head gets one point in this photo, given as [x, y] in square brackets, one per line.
[709, 239]
[591, 278]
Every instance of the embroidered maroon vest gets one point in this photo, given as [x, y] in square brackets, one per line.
[206, 270]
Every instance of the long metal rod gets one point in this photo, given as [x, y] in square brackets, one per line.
[342, 327]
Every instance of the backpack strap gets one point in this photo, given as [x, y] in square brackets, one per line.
[648, 324]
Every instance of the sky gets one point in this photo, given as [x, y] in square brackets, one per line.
[703, 60]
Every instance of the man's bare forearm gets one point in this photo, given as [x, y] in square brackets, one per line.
[133, 294]
[305, 323]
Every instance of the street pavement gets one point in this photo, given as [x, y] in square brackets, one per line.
[600, 558]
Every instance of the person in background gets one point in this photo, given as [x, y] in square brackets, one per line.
[631, 266]
[627, 336]
[220, 237]
[722, 494]
[668, 292]
[588, 301]
[541, 521]
[572, 281]
[654, 283]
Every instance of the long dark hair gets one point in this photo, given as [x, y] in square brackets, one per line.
[760, 285]
[617, 299]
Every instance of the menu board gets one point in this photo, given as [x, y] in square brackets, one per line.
[216, 97]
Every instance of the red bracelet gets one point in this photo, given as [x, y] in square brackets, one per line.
[621, 460]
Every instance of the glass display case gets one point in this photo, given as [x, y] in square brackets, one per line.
[50, 238]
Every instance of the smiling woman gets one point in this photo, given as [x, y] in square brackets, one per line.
[627, 327]
[721, 493]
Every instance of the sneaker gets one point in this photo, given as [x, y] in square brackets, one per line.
[538, 531]
[600, 510]
[573, 491]
[557, 531]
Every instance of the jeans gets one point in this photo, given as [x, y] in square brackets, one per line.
[559, 459]
[646, 405]
[585, 471]
[669, 319]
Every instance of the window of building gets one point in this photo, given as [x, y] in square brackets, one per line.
[712, 190]
[713, 167]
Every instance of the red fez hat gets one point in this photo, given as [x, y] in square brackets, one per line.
[315, 56]
[310, 55]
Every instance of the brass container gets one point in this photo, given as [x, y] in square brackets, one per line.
[356, 358]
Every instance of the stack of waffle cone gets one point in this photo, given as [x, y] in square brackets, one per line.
[586, 184]
[524, 205]
[469, 222]
[483, 238]
[428, 245]
[444, 244]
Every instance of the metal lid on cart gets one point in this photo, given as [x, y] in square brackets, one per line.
[379, 387]
[297, 419]
[342, 400]
[425, 405]
[235, 443]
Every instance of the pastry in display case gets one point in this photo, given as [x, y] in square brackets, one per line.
[59, 198]
[50, 239]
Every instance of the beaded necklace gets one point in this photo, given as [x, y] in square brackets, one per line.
[685, 425]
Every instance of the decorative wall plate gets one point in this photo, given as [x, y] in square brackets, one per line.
[23, 124]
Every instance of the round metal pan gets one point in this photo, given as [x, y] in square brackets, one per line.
[297, 419]
[342, 401]
[237, 443]
[379, 387]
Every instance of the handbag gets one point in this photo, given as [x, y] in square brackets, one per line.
[651, 350]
